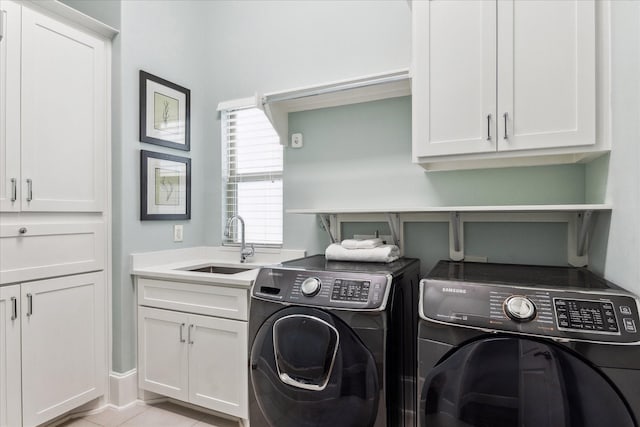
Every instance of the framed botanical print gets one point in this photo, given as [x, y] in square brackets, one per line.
[165, 186]
[164, 112]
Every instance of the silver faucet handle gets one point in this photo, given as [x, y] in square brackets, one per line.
[246, 252]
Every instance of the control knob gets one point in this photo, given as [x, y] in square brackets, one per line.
[311, 286]
[519, 308]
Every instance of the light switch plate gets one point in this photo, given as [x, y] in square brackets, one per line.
[177, 233]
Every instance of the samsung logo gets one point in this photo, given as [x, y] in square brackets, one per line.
[454, 290]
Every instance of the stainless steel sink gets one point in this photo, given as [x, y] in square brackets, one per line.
[219, 270]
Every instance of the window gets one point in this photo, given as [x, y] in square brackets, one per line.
[252, 176]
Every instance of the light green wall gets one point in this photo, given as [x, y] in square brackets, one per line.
[353, 156]
[359, 156]
[106, 11]
[166, 39]
[222, 50]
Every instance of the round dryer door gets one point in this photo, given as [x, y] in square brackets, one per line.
[308, 368]
[515, 382]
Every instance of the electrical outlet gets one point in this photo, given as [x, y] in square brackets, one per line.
[177, 233]
[296, 140]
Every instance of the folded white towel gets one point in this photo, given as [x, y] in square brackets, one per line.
[384, 253]
[361, 244]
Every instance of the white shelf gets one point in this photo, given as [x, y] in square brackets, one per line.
[579, 218]
[278, 105]
[446, 209]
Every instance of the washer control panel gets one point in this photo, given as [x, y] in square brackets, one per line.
[350, 290]
[591, 315]
[332, 289]
[585, 315]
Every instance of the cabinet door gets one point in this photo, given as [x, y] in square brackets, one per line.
[162, 352]
[218, 365]
[546, 74]
[10, 415]
[63, 345]
[10, 107]
[454, 77]
[64, 91]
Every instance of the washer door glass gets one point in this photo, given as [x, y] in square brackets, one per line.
[308, 368]
[511, 382]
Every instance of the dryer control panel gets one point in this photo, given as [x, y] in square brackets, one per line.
[330, 289]
[609, 316]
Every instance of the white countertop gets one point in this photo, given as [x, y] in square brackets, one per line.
[173, 264]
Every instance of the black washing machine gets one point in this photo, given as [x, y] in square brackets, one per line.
[514, 345]
[333, 344]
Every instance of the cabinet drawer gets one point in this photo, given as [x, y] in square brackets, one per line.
[211, 300]
[49, 250]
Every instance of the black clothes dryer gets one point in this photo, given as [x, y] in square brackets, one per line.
[513, 345]
[333, 344]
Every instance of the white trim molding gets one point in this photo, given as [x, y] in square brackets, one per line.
[123, 388]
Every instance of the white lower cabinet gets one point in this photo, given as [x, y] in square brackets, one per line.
[218, 366]
[63, 341]
[195, 358]
[53, 331]
[162, 351]
[10, 385]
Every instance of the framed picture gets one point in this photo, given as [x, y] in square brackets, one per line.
[165, 186]
[164, 112]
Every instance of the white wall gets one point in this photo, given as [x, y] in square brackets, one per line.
[622, 263]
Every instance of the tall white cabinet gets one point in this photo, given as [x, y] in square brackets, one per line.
[502, 83]
[54, 205]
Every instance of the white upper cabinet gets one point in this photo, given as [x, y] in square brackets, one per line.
[54, 92]
[10, 107]
[454, 82]
[505, 83]
[546, 74]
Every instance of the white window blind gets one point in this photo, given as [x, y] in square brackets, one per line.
[252, 176]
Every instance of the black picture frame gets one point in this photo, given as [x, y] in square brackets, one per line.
[165, 112]
[165, 186]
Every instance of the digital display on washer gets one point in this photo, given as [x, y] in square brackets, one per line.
[350, 290]
[584, 315]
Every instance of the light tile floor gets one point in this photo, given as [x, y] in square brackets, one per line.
[164, 414]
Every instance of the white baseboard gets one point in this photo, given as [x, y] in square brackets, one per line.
[123, 388]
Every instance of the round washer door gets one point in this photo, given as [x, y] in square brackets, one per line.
[515, 382]
[308, 368]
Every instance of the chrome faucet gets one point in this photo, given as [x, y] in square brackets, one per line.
[244, 250]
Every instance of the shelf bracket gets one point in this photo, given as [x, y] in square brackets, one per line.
[327, 221]
[583, 234]
[580, 225]
[394, 227]
[456, 237]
